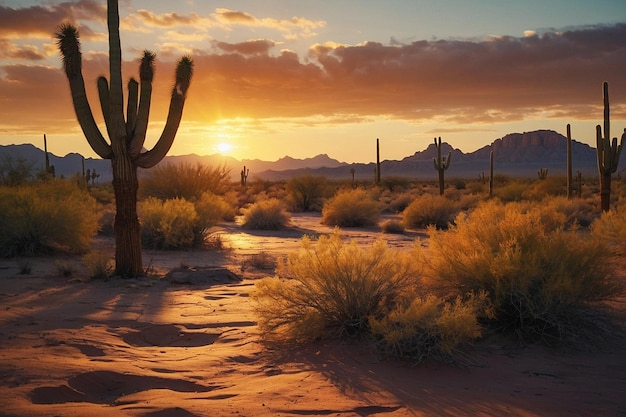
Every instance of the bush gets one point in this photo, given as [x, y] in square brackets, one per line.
[430, 327]
[540, 278]
[611, 228]
[333, 288]
[393, 226]
[307, 192]
[353, 208]
[265, 215]
[99, 264]
[168, 181]
[44, 217]
[168, 224]
[213, 209]
[430, 210]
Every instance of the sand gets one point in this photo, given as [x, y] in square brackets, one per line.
[183, 341]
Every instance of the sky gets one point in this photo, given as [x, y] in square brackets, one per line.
[300, 78]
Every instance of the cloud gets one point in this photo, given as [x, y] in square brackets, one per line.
[457, 82]
[42, 21]
[10, 50]
[292, 28]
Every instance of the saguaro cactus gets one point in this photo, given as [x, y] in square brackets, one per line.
[490, 174]
[377, 179]
[244, 176]
[542, 173]
[441, 164]
[570, 185]
[49, 168]
[608, 153]
[126, 136]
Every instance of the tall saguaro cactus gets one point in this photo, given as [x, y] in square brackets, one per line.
[569, 162]
[126, 135]
[441, 164]
[377, 177]
[608, 153]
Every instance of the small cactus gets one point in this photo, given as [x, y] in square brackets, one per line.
[441, 164]
[244, 176]
[542, 173]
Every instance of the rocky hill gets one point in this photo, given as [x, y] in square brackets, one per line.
[516, 155]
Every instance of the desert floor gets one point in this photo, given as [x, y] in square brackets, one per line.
[183, 342]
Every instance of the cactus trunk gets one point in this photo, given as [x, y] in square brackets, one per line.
[569, 162]
[441, 165]
[377, 179]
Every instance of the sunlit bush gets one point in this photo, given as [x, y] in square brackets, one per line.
[167, 181]
[611, 228]
[332, 287]
[169, 223]
[428, 209]
[354, 208]
[99, 264]
[213, 209]
[430, 327]
[393, 226]
[51, 216]
[265, 215]
[540, 278]
[511, 191]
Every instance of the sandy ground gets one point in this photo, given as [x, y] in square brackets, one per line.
[184, 342]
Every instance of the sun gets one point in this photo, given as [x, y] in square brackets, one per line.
[224, 148]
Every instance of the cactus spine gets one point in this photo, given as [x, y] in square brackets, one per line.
[441, 164]
[126, 137]
[608, 152]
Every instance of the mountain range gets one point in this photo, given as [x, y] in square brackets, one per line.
[515, 155]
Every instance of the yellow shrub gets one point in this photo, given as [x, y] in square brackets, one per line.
[354, 208]
[168, 224]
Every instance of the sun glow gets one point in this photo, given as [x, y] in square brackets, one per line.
[224, 148]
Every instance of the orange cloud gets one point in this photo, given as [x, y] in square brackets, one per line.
[42, 21]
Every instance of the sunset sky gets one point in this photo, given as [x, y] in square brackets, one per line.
[300, 78]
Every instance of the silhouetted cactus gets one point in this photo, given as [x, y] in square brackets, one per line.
[244, 176]
[441, 164]
[608, 152]
[126, 137]
[570, 185]
[542, 173]
[377, 172]
[49, 168]
[352, 172]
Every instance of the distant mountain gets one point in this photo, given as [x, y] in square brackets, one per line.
[516, 154]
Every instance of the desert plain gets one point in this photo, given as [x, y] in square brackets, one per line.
[183, 341]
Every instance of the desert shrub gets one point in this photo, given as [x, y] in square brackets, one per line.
[99, 264]
[64, 267]
[551, 186]
[399, 202]
[262, 260]
[307, 192]
[169, 223]
[430, 327]
[184, 180]
[540, 278]
[611, 228]
[511, 191]
[44, 217]
[212, 209]
[103, 194]
[353, 208]
[392, 226]
[332, 288]
[576, 211]
[265, 215]
[15, 172]
[428, 209]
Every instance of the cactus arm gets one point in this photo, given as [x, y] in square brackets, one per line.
[184, 72]
[146, 74]
[447, 163]
[103, 96]
[117, 128]
[68, 43]
[131, 107]
[607, 111]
